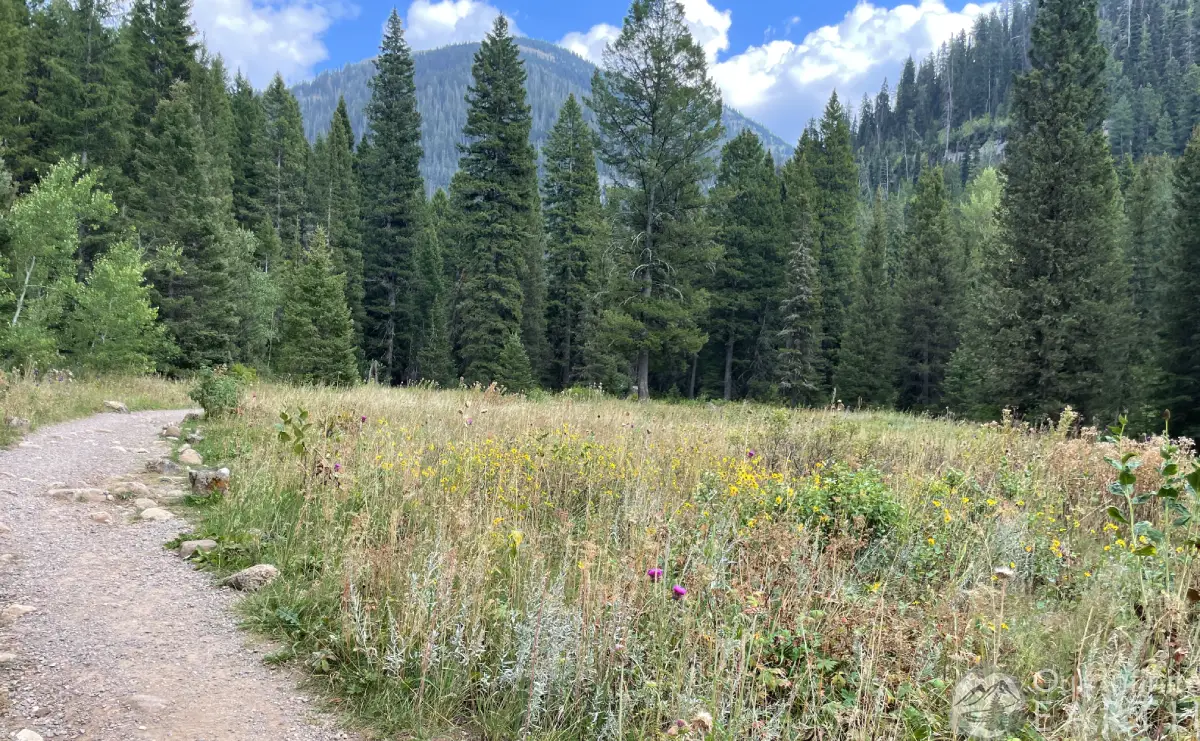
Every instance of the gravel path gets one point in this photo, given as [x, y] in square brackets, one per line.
[126, 641]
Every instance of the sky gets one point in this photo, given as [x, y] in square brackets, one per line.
[776, 61]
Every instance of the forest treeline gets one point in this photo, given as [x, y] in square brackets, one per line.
[1015, 227]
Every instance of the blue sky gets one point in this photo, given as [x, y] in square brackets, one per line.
[776, 61]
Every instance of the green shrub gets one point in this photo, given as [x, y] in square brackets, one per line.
[852, 500]
[217, 391]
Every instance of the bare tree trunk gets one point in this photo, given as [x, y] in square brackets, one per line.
[24, 290]
[692, 381]
[729, 368]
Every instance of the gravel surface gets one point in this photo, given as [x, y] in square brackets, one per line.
[125, 641]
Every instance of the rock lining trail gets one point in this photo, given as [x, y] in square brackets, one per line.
[126, 641]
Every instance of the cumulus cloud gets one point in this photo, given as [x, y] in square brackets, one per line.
[783, 83]
[433, 24]
[590, 44]
[262, 38]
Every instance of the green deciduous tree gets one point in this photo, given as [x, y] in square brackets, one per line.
[316, 335]
[496, 197]
[659, 116]
[574, 231]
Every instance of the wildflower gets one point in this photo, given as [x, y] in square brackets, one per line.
[337, 467]
[1121, 542]
[470, 421]
[654, 574]
[678, 592]
[991, 502]
[363, 418]
[750, 455]
[931, 541]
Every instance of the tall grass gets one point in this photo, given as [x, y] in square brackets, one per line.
[52, 397]
[588, 568]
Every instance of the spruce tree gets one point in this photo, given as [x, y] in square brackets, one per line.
[836, 176]
[316, 336]
[249, 157]
[14, 105]
[927, 296]
[496, 197]
[1180, 330]
[393, 193]
[868, 369]
[659, 116]
[747, 213]
[800, 377]
[287, 152]
[1057, 328]
[513, 371]
[573, 234]
[435, 361]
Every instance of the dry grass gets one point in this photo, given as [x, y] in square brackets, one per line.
[58, 397]
[474, 561]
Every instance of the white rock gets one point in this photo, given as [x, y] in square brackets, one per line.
[156, 514]
[4, 528]
[147, 703]
[253, 578]
[116, 406]
[188, 548]
[27, 735]
[103, 518]
[92, 496]
[7, 658]
[175, 496]
[189, 457]
[172, 431]
[144, 503]
[14, 611]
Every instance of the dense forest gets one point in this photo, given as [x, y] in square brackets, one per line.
[1015, 227]
[442, 78]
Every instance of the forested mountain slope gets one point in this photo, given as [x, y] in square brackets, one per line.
[442, 77]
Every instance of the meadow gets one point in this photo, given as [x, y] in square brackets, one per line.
[466, 564]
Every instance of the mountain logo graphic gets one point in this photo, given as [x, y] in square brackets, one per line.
[987, 704]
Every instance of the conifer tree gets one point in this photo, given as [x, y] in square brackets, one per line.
[1150, 207]
[800, 378]
[435, 361]
[287, 150]
[393, 209]
[836, 176]
[659, 116]
[14, 113]
[573, 233]
[1057, 328]
[497, 194]
[184, 219]
[928, 290]
[513, 370]
[868, 369]
[160, 52]
[316, 336]
[1180, 331]
[249, 157]
[747, 212]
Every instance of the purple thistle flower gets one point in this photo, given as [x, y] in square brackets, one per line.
[470, 421]
[654, 574]
[750, 455]
[364, 418]
[337, 467]
[678, 592]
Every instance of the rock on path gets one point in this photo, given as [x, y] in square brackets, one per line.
[127, 642]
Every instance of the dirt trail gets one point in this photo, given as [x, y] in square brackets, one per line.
[127, 642]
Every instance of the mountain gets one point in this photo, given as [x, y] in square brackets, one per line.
[442, 77]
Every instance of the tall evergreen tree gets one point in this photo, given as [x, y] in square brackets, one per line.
[928, 292]
[836, 176]
[869, 364]
[1181, 318]
[1057, 328]
[14, 105]
[497, 194]
[393, 208]
[287, 150]
[249, 157]
[574, 229]
[659, 116]
[800, 377]
[747, 212]
[316, 336]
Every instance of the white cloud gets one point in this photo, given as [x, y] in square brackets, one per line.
[590, 45]
[783, 83]
[262, 38]
[433, 24]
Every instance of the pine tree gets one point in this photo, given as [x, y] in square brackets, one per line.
[1057, 328]
[869, 364]
[513, 371]
[1150, 222]
[287, 150]
[928, 291]
[184, 219]
[435, 361]
[836, 176]
[573, 231]
[497, 194]
[316, 336]
[800, 378]
[14, 105]
[659, 116]
[393, 196]
[1180, 332]
[747, 213]
[249, 157]
[159, 53]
